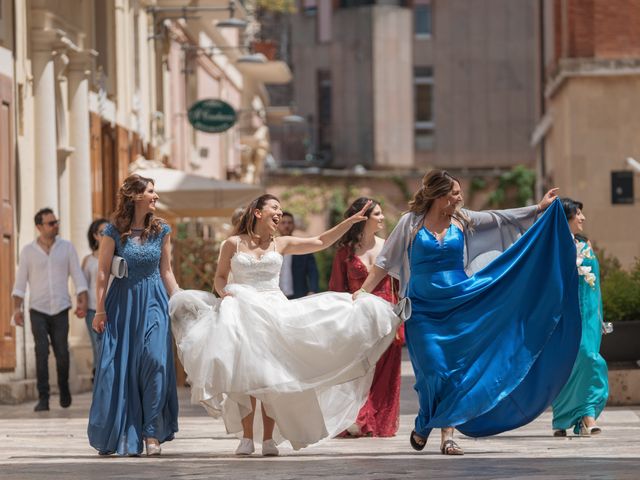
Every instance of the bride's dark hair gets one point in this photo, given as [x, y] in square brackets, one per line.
[247, 222]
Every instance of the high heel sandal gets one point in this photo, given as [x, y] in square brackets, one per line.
[588, 431]
[417, 445]
[153, 449]
[450, 447]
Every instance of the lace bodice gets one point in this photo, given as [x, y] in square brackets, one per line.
[260, 273]
[143, 258]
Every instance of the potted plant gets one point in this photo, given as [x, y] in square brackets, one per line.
[621, 305]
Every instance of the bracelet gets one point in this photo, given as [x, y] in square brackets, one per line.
[362, 290]
[100, 313]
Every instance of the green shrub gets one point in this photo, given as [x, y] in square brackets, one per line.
[621, 294]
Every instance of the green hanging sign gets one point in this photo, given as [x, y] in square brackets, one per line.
[212, 115]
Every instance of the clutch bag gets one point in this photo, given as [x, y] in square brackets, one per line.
[119, 267]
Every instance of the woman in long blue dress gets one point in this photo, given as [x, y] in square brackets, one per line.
[583, 398]
[492, 334]
[134, 392]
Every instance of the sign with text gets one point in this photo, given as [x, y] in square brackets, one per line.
[212, 115]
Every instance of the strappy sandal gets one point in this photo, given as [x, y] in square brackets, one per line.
[417, 445]
[449, 447]
[588, 431]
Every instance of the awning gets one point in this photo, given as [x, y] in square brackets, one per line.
[274, 72]
[190, 195]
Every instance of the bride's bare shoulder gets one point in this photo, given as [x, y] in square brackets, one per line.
[231, 243]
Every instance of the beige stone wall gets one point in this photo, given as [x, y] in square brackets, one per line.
[393, 128]
[483, 56]
[595, 128]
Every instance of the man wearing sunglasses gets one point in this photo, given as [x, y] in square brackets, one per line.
[45, 265]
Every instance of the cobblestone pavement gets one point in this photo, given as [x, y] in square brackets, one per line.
[54, 445]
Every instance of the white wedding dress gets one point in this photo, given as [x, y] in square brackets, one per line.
[309, 361]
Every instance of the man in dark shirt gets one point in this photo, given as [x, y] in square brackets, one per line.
[299, 274]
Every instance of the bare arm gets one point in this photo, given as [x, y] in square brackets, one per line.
[300, 245]
[224, 265]
[166, 272]
[548, 199]
[373, 279]
[105, 256]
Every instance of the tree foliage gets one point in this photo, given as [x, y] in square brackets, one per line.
[276, 6]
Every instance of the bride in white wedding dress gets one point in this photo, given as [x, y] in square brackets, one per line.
[308, 361]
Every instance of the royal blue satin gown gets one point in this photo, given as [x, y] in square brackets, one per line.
[490, 352]
[134, 389]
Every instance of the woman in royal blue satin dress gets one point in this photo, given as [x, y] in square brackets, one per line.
[134, 391]
[492, 336]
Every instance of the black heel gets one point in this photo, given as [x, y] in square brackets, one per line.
[414, 443]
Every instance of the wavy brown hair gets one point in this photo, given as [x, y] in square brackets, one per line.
[354, 234]
[435, 184]
[122, 218]
[247, 223]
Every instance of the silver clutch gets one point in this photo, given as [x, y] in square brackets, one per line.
[119, 267]
[403, 309]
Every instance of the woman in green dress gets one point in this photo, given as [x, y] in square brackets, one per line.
[584, 396]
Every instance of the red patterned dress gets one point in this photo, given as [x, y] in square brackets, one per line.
[380, 415]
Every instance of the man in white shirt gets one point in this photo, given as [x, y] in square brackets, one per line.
[299, 273]
[45, 265]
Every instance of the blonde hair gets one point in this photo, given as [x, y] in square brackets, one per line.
[435, 184]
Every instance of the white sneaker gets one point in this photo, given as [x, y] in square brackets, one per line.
[269, 448]
[246, 447]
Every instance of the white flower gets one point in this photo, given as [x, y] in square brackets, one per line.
[590, 278]
[583, 251]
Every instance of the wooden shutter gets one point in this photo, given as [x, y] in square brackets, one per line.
[7, 233]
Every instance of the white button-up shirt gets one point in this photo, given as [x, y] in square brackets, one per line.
[48, 276]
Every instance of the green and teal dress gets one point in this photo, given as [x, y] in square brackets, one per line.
[587, 389]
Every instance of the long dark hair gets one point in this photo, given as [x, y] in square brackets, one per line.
[354, 234]
[122, 218]
[435, 184]
[93, 230]
[247, 223]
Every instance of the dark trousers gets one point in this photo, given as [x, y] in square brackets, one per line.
[56, 328]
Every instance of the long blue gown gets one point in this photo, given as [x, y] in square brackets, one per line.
[587, 390]
[491, 351]
[134, 391]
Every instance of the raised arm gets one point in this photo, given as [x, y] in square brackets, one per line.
[105, 256]
[300, 245]
[522, 217]
[224, 265]
[166, 272]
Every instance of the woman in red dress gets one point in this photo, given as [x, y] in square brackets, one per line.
[356, 255]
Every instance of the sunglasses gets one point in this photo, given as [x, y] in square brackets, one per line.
[52, 223]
